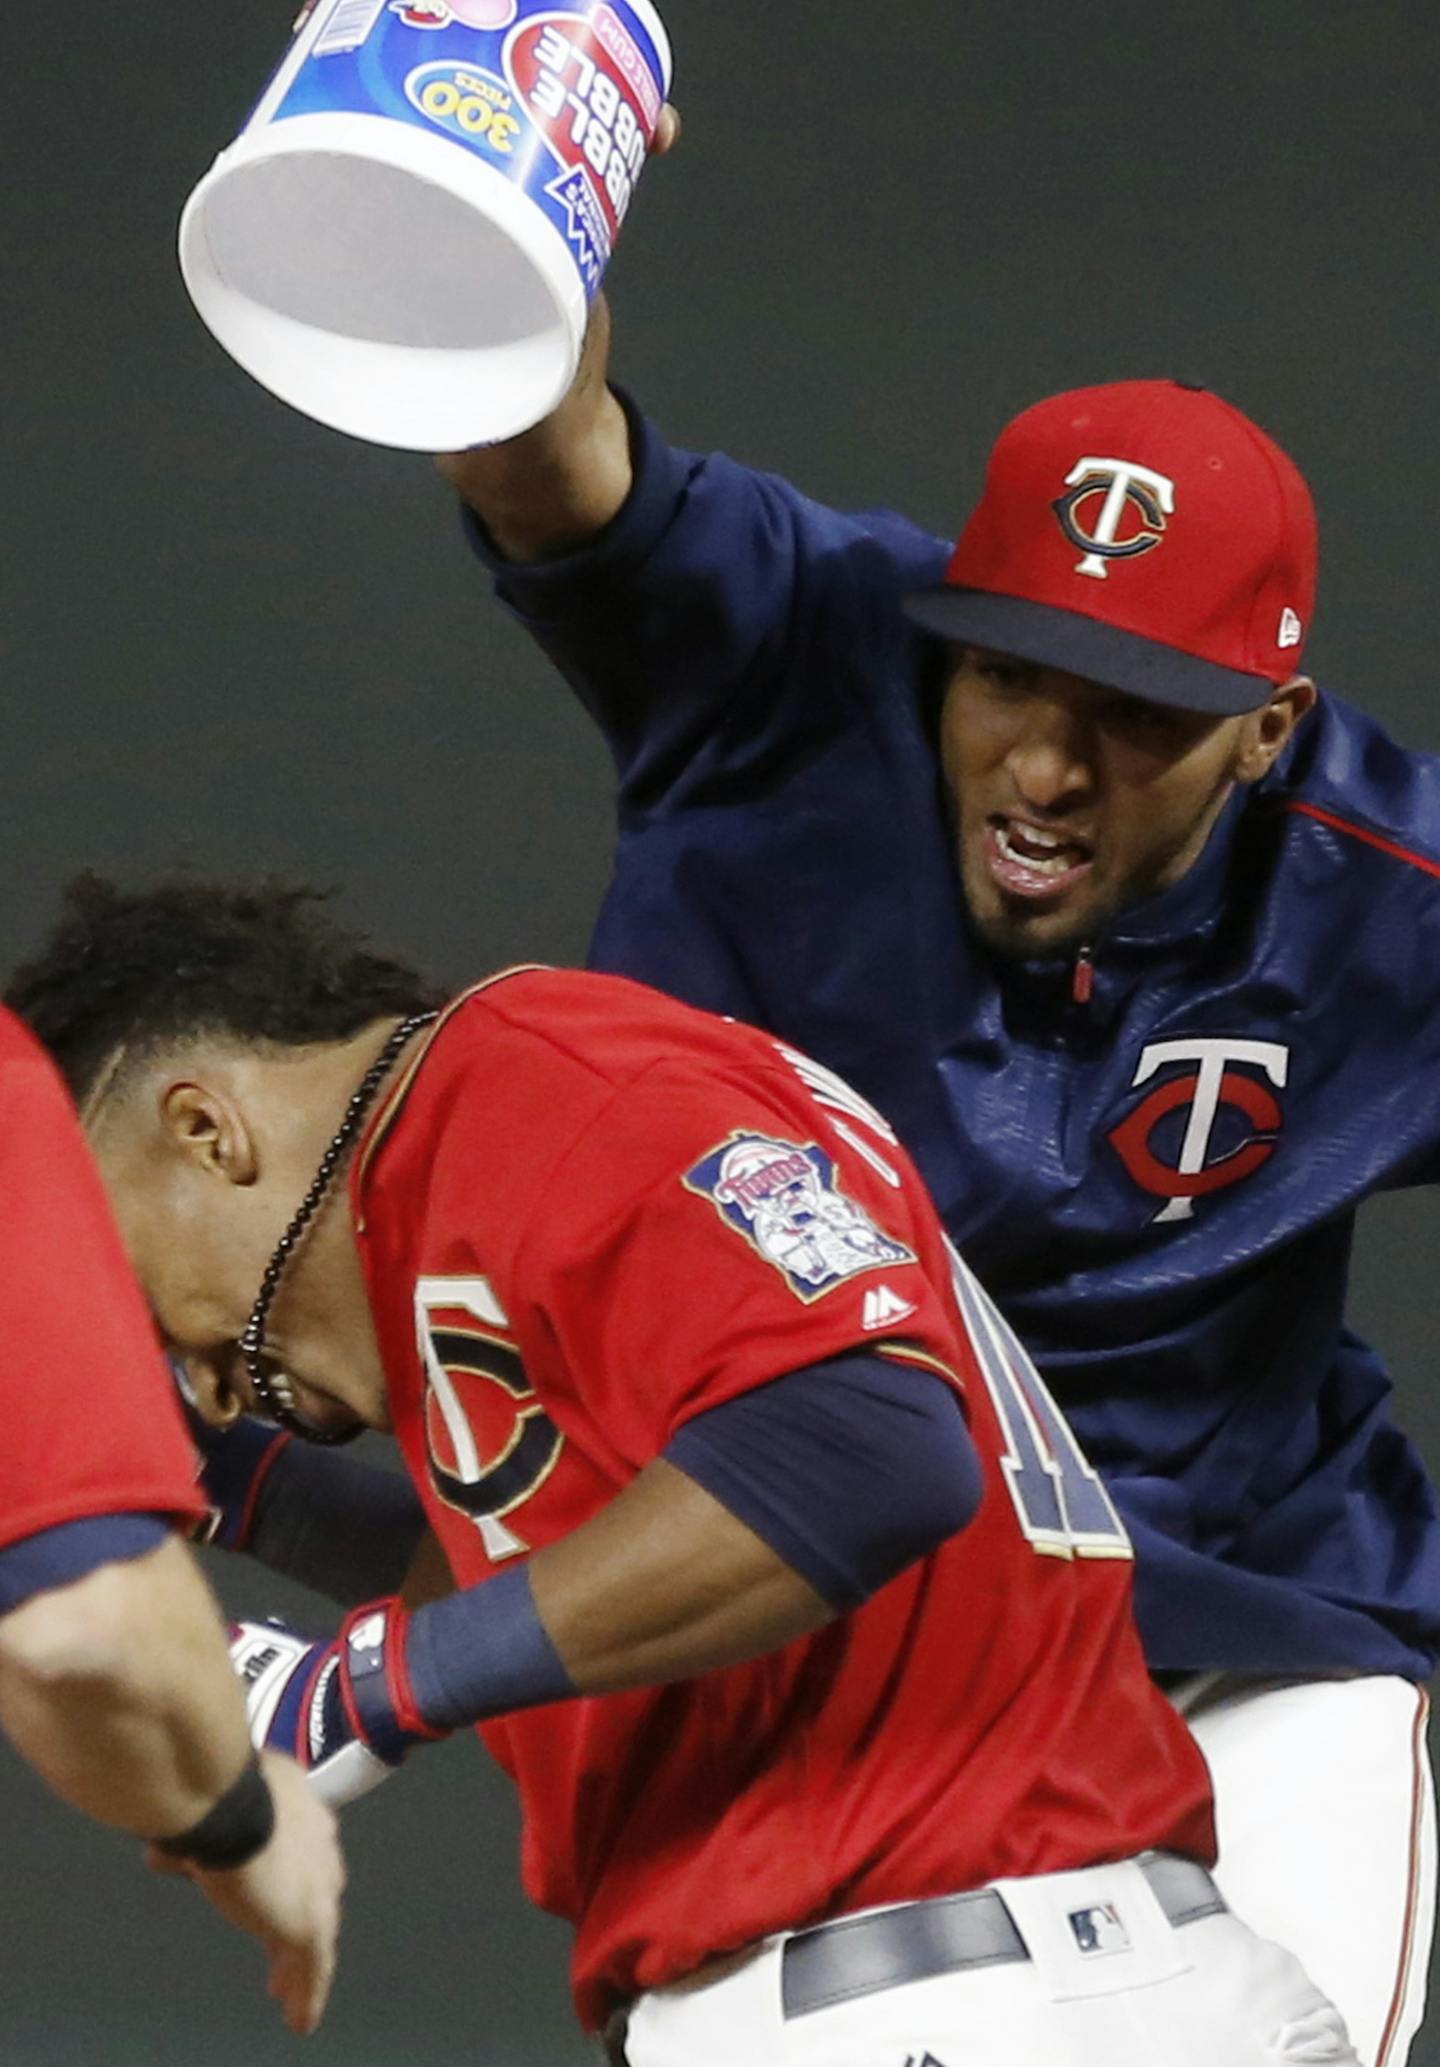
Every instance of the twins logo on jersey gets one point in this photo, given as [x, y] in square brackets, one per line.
[1207, 1127]
[492, 1445]
[783, 1198]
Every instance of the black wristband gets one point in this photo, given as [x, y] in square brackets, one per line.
[239, 1826]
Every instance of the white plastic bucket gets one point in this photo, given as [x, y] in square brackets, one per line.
[404, 239]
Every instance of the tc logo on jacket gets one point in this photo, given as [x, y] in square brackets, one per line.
[1220, 1087]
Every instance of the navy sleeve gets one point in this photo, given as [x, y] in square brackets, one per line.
[850, 1469]
[60, 1556]
[723, 624]
[347, 1528]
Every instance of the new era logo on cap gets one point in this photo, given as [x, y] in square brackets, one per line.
[1145, 535]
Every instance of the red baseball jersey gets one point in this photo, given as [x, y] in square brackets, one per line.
[91, 1422]
[589, 1213]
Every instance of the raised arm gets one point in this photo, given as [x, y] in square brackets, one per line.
[689, 601]
[555, 488]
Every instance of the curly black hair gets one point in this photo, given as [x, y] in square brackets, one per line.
[139, 969]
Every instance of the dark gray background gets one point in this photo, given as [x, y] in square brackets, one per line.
[232, 639]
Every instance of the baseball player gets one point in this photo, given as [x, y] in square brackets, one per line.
[1048, 846]
[783, 1593]
[115, 1684]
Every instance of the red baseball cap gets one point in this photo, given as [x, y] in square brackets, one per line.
[1145, 535]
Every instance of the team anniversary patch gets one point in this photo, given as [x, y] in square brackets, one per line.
[783, 1198]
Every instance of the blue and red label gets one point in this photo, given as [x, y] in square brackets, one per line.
[563, 102]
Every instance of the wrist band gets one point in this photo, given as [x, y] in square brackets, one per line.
[239, 1826]
[483, 1651]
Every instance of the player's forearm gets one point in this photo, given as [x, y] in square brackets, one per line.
[702, 1561]
[766, 1515]
[348, 1529]
[665, 1584]
[344, 1527]
[553, 489]
[118, 1691]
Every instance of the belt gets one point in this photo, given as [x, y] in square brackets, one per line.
[859, 1955]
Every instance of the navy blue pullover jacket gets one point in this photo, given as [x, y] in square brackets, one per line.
[1156, 1186]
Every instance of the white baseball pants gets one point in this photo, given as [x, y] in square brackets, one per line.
[1110, 1981]
[1326, 1811]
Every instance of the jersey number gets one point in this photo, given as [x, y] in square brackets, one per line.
[1059, 1499]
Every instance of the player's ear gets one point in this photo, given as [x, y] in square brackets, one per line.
[208, 1129]
[1268, 731]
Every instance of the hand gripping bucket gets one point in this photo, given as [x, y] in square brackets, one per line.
[404, 240]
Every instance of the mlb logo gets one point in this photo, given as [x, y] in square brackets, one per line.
[1099, 1930]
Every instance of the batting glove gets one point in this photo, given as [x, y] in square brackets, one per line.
[343, 1708]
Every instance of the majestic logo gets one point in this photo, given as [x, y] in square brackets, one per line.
[1231, 1120]
[1126, 492]
[1291, 630]
[1099, 1929]
[784, 1200]
[883, 1307]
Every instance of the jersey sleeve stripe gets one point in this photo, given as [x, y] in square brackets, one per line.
[1423, 862]
[910, 1353]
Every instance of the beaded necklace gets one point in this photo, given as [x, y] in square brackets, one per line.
[272, 1387]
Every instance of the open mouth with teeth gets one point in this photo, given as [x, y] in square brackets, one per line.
[1030, 861]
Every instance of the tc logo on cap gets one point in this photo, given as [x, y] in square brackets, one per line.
[1122, 483]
